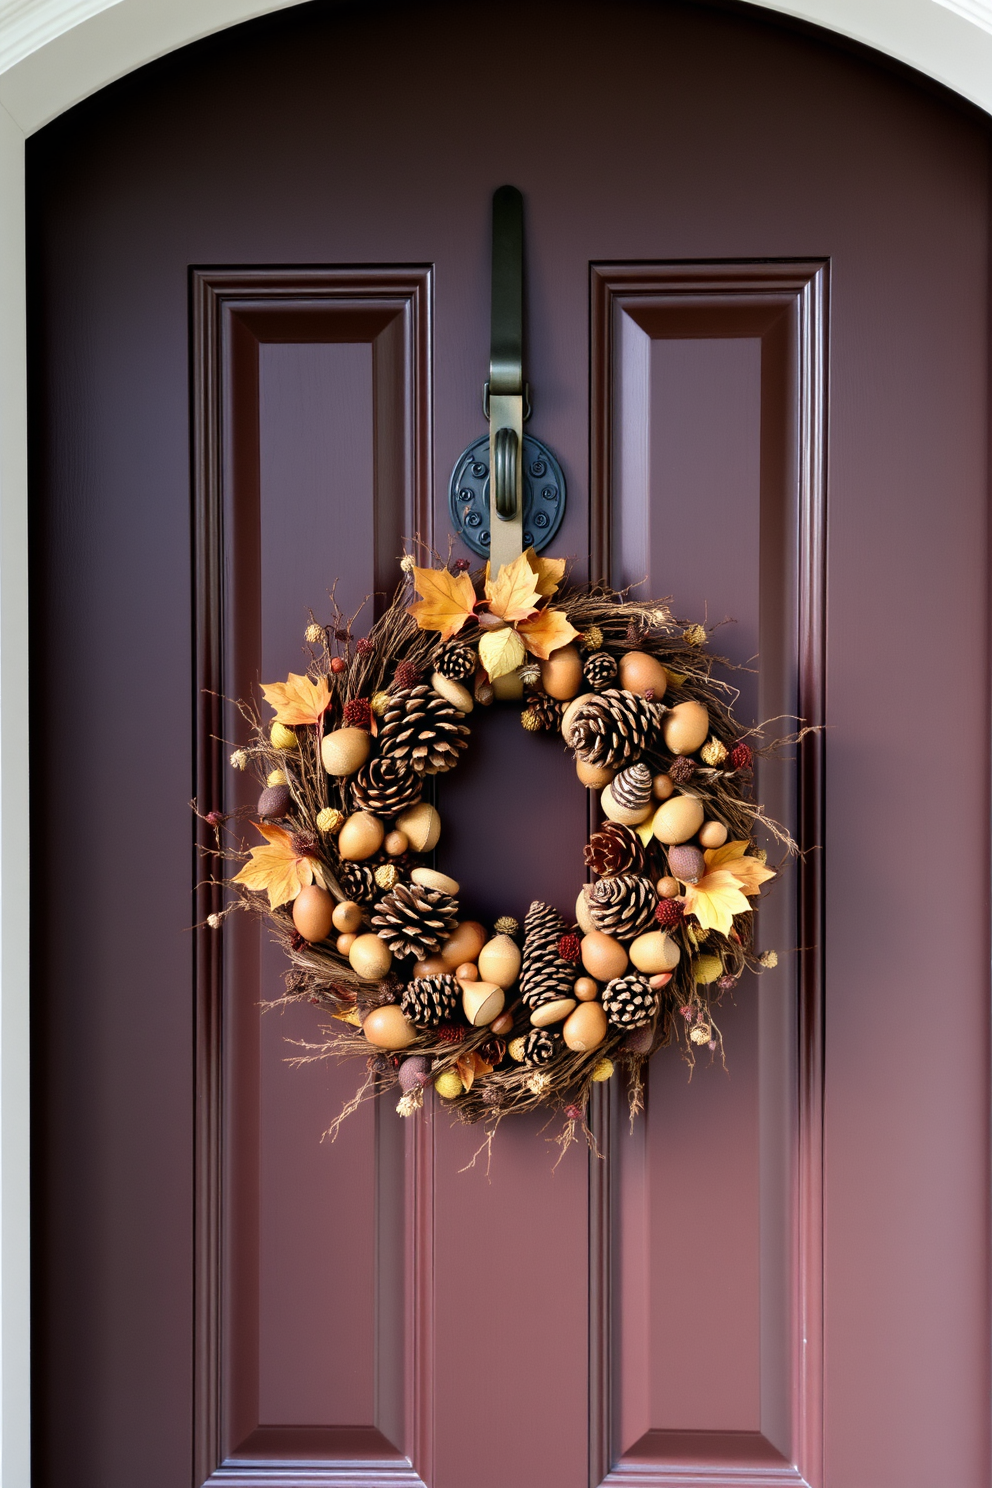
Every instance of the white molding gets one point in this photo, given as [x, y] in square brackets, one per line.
[53, 53]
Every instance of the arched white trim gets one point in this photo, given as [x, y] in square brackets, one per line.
[55, 52]
[52, 54]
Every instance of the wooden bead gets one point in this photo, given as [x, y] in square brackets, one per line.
[585, 1028]
[593, 777]
[467, 972]
[421, 825]
[313, 913]
[586, 990]
[347, 915]
[668, 888]
[360, 837]
[345, 750]
[677, 820]
[345, 942]
[463, 944]
[396, 843]
[388, 1028]
[602, 956]
[370, 957]
[712, 834]
[662, 786]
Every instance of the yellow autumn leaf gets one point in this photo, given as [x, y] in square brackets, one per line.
[501, 651]
[715, 899]
[448, 600]
[750, 872]
[278, 869]
[513, 595]
[548, 572]
[298, 699]
[548, 630]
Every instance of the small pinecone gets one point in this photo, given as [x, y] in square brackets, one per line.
[421, 729]
[600, 670]
[614, 849]
[540, 1046]
[631, 789]
[669, 913]
[682, 769]
[612, 728]
[507, 925]
[455, 660]
[386, 786]
[414, 920]
[357, 881]
[544, 711]
[741, 757]
[428, 1001]
[623, 907]
[545, 973]
[629, 1002]
[492, 1051]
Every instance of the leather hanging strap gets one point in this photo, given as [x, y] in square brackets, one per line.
[505, 388]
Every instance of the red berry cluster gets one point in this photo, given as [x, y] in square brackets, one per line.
[669, 913]
[569, 947]
[358, 713]
[741, 757]
[407, 675]
[364, 647]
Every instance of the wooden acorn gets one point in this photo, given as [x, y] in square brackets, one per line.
[463, 944]
[360, 837]
[685, 728]
[370, 957]
[678, 819]
[585, 1028]
[313, 913]
[654, 952]
[561, 674]
[642, 673]
[421, 825]
[345, 750]
[388, 1027]
[482, 1002]
[499, 961]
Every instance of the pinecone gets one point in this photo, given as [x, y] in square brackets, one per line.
[614, 849]
[455, 660]
[545, 973]
[428, 1001]
[357, 881]
[631, 789]
[624, 906]
[413, 920]
[543, 713]
[540, 1046]
[386, 786]
[421, 729]
[629, 1002]
[600, 670]
[682, 769]
[613, 728]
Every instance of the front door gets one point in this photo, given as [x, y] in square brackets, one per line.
[757, 270]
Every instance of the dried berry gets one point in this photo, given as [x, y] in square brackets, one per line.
[364, 647]
[741, 757]
[682, 769]
[338, 664]
[407, 675]
[358, 714]
[569, 947]
[669, 913]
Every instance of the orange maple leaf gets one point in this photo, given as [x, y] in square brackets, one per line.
[548, 572]
[513, 595]
[278, 869]
[470, 1065]
[448, 600]
[546, 631]
[750, 872]
[298, 699]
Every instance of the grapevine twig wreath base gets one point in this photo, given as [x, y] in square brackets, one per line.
[504, 1018]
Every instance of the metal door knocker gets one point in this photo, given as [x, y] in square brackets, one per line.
[507, 490]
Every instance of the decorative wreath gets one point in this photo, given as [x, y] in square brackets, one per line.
[502, 1019]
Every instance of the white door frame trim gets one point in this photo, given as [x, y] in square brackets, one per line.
[53, 53]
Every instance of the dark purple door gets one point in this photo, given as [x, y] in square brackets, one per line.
[758, 327]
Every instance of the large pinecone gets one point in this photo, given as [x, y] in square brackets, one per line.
[455, 660]
[413, 920]
[614, 849]
[386, 786]
[428, 1001]
[545, 974]
[357, 882]
[421, 729]
[600, 670]
[613, 728]
[540, 1046]
[623, 906]
[629, 1002]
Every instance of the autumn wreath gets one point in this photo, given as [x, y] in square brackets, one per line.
[505, 1018]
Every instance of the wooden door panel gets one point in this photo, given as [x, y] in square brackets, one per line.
[311, 389]
[709, 390]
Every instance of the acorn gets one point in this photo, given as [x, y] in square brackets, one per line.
[685, 728]
[654, 951]
[602, 956]
[345, 750]
[642, 673]
[360, 837]
[370, 957]
[482, 1002]
[499, 961]
[585, 1028]
[274, 801]
[463, 944]
[712, 834]
[388, 1027]
[429, 878]
[561, 674]
[678, 819]
[687, 863]
[421, 825]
